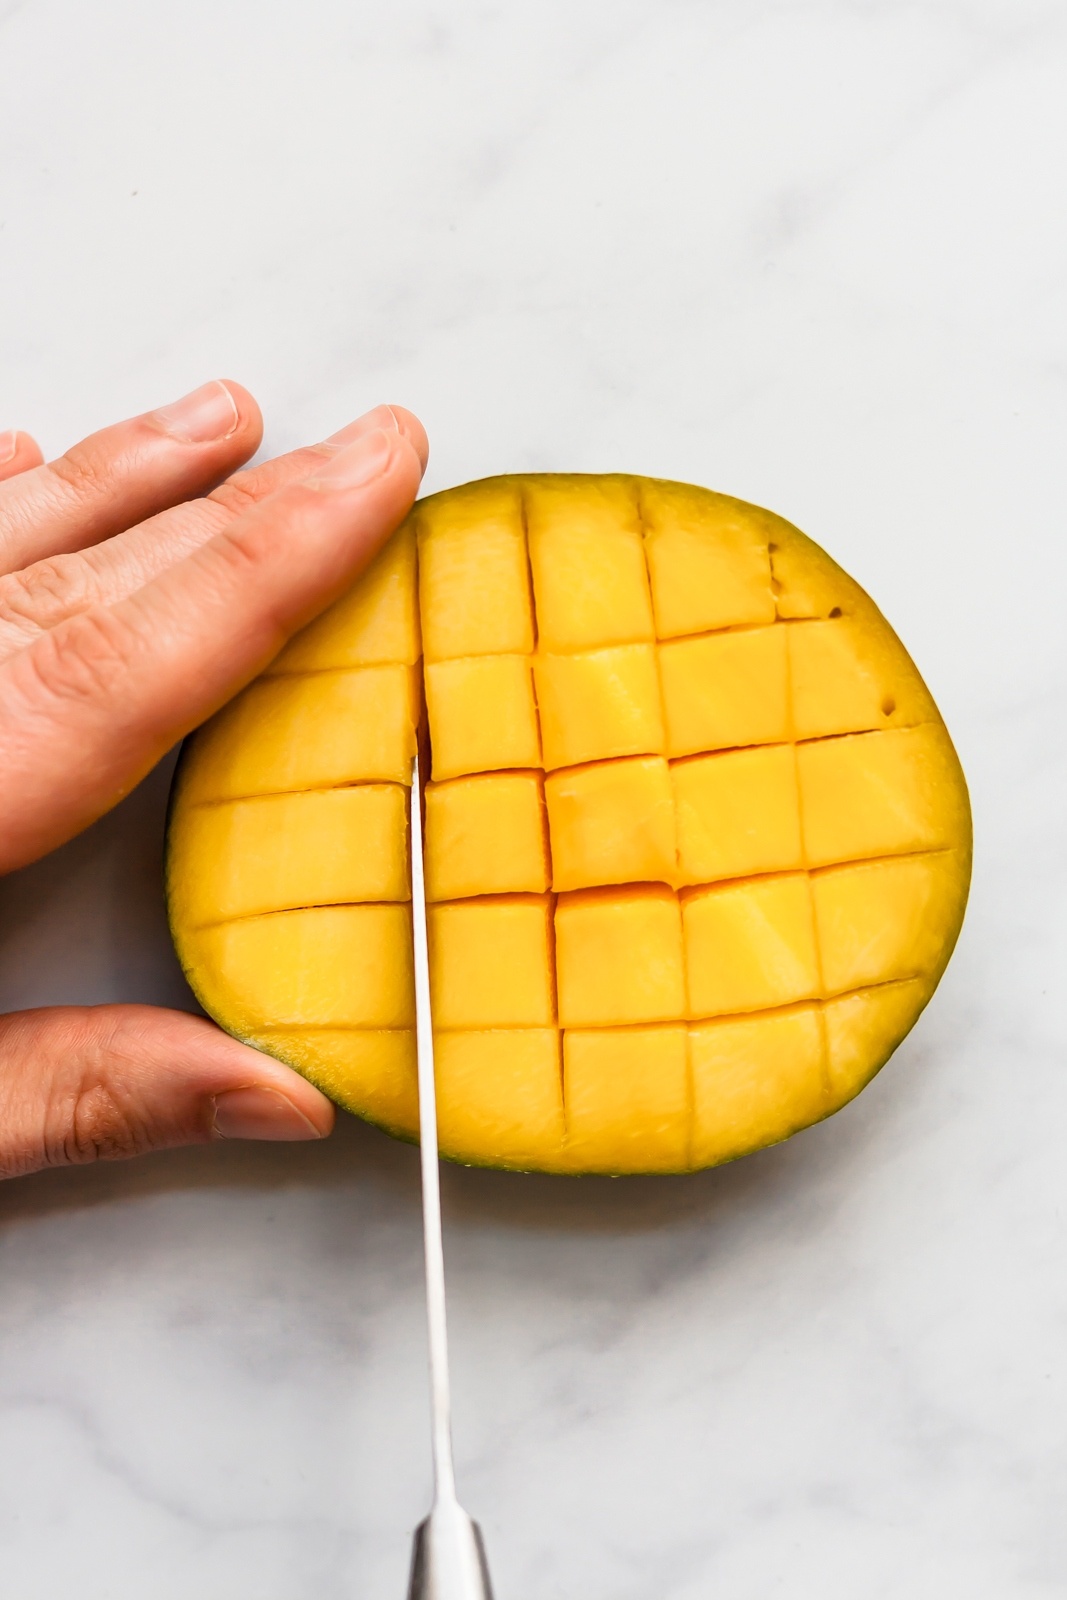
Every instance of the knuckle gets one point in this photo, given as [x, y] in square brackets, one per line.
[44, 593]
[239, 493]
[240, 550]
[97, 1110]
[85, 471]
[87, 660]
[96, 1126]
[252, 487]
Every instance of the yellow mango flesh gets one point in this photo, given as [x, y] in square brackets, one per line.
[697, 841]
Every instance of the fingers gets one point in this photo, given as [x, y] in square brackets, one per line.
[126, 473]
[92, 705]
[45, 594]
[18, 452]
[99, 1083]
[249, 487]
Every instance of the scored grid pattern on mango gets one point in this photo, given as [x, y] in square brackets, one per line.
[642, 654]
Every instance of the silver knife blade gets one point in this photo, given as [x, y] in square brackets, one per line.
[448, 1559]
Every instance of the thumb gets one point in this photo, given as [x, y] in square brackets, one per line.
[96, 1083]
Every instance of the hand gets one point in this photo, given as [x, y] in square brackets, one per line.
[130, 610]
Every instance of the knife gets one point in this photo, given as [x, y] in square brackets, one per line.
[448, 1558]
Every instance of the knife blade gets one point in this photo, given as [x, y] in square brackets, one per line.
[448, 1558]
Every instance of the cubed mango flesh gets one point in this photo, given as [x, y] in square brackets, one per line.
[474, 585]
[619, 957]
[491, 963]
[482, 715]
[277, 852]
[587, 558]
[738, 813]
[502, 1090]
[751, 945]
[876, 794]
[322, 966]
[486, 835]
[307, 731]
[707, 561]
[627, 1098]
[697, 841]
[864, 1028]
[725, 690]
[877, 921]
[612, 822]
[756, 1080]
[597, 704]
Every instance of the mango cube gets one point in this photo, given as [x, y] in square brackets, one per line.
[877, 921]
[755, 1080]
[840, 683]
[707, 559]
[486, 835]
[737, 813]
[491, 963]
[588, 564]
[275, 852]
[376, 622]
[482, 715]
[323, 966]
[750, 945]
[501, 1090]
[863, 1030]
[600, 704]
[612, 822]
[874, 794]
[619, 957]
[627, 1094]
[805, 581]
[724, 690]
[473, 579]
[313, 732]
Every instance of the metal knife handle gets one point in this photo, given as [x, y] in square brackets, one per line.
[448, 1558]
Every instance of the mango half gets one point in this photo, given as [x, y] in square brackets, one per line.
[697, 841]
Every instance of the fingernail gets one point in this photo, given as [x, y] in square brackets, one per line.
[257, 1113]
[210, 412]
[9, 443]
[381, 417]
[356, 464]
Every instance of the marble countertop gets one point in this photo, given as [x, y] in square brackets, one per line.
[812, 254]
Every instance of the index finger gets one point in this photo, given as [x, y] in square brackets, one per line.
[127, 472]
[92, 705]
[47, 593]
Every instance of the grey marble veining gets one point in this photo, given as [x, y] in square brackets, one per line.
[814, 254]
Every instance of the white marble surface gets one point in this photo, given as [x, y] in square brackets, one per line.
[812, 253]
